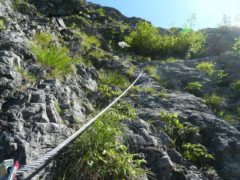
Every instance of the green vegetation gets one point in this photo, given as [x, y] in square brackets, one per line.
[152, 71]
[182, 136]
[197, 154]
[194, 88]
[114, 79]
[147, 41]
[26, 75]
[236, 86]
[2, 25]
[97, 54]
[207, 67]
[98, 153]
[107, 91]
[163, 94]
[236, 46]
[214, 101]
[175, 129]
[53, 57]
[131, 71]
[89, 41]
[100, 11]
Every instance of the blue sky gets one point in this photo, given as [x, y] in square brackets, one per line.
[167, 13]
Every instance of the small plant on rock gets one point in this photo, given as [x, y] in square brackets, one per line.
[214, 101]
[53, 57]
[194, 88]
[2, 25]
[206, 67]
[236, 47]
[197, 154]
[114, 78]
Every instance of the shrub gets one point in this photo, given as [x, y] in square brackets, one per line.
[146, 40]
[206, 67]
[114, 79]
[98, 153]
[197, 154]
[194, 87]
[53, 57]
[2, 25]
[214, 101]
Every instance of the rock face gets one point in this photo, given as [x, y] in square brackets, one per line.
[36, 116]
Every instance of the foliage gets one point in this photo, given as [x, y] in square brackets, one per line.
[207, 67]
[107, 91]
[114, 78]
[98, 153]
[53, 57]
[149, 90]
[214, 101]
[27, 76]
[2, 25]
[194, 87]
[89, 41]
[100, 11]
[146, 40]
[131, 71]
[126, 110]
[197, 154]
[163, 94]
[236, 86]
[176, 130]
[96, 54]
[236, 46]
[153, 72]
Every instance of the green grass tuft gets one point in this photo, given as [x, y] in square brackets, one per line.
[206, 67]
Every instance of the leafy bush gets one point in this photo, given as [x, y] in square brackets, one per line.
[194, 87]
[53, 57]
[197, 154]
[114, 79]
[146, 40]
[214, 101]
[2, 25]
[98, 153]
[207, 67]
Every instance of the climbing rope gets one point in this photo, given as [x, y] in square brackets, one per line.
[34, 167]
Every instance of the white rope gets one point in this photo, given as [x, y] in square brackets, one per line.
[30, 170]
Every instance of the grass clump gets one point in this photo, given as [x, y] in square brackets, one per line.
[107, 91]
[2, 25]
[114, 78]
[99, 154]
[26, 75]
[197, 154]
[194, 88]
[52, 56]
[152, 71]
[214, 101]
[206, 67]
